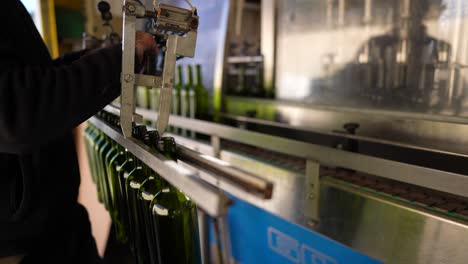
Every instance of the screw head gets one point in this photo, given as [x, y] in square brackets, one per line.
[131, 8]
[128, 78]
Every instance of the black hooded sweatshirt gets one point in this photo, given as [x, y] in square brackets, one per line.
[41, 100]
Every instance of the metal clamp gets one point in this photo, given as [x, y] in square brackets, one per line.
[177, 27]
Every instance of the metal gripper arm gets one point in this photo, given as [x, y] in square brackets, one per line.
[179, 28]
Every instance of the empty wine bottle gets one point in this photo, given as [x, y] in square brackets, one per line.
[102, 144]
[117, 213]
[104, 157]
[201, 95]
[191, 99]
[94, 139]
[175, 219]
[133, 182]
[146, 194]
[89, 135]
[259, 90]
[122, 172]
[142, 98]
[240, 88]
[176, 96]
[184, 98]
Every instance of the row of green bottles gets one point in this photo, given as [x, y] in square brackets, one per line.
[103, 155]
[189, 99]
[157, 221]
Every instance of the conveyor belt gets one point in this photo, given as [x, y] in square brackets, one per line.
[283, 160]
[439, 202]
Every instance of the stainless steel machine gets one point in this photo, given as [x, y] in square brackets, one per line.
[363, 148]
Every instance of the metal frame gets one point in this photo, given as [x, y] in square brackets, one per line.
[444, 134]
[430, 178]
[246, 181]
[312, 191]
[348, 213]
[247, 120]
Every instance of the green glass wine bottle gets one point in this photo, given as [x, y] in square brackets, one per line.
[100, 144]
[241, 88]
[133, 182]
[146, 194]
[117, 213]
[259, 90]
[185, 97]
[122, 172]
[176, 96]
[191, 98]
[89, 146]
[142, 97]
[93, 139]
[201, 95]
[106, 151]
[102, 152]
[113, 151]
[175, 219]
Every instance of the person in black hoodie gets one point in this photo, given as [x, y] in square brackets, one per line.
[41, 101]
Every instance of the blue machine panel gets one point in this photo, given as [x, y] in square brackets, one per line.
[260, 237]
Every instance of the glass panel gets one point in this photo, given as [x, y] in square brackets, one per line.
[403, 55]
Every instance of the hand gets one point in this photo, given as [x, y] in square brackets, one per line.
[144, 44]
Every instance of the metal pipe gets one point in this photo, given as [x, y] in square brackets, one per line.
[222, 169]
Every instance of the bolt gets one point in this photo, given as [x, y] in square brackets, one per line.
[311, 223]
[194, 24]
[128, 78]
[311, 196]
[131, 8]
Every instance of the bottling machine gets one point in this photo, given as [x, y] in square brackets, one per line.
[360, 158]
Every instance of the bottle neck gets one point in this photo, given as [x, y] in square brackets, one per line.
[190, 76]
[198, 76]
[180, 78]
[138, 132]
